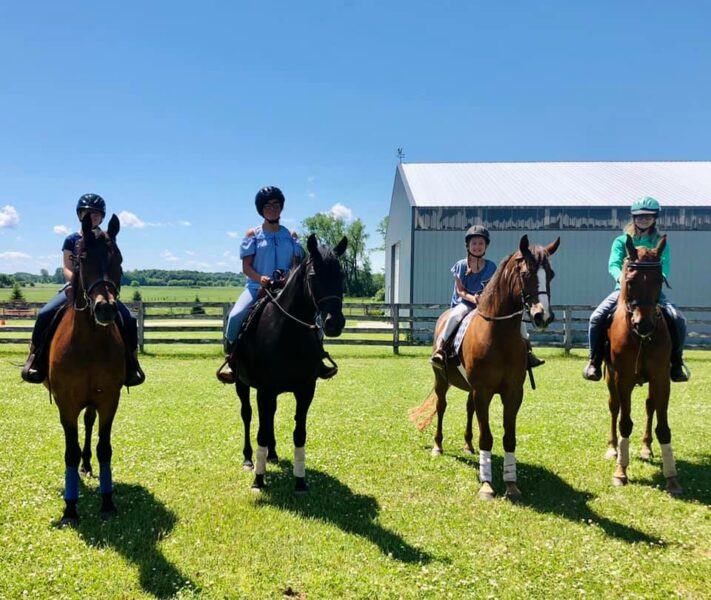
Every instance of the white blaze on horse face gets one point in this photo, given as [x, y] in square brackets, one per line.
[543, 298]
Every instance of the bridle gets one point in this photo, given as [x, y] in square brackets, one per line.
[310, 273]
[633, 265]
[77, 260]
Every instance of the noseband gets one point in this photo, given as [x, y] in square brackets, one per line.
[86, 291]
[633, 265]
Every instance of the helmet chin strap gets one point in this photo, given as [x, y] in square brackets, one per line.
[272, 221]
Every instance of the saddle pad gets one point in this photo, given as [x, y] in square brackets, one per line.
[462, 330]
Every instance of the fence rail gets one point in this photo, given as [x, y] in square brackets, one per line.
[394, 325]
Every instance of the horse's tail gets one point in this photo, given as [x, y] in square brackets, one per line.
[422, 415]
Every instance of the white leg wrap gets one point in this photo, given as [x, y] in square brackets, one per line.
[261, 466]
[509, 467]
[668, 462]
[623, 452]
[484, 466]
[299, 462]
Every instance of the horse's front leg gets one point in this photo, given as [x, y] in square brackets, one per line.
[246, 414]
[468, 448]
[482, 399]
[304, 396]
[511, 400]
[645, 452]
[441, 387]
[72, 456]
[659, 392]
[613, 404]
[624, 396]
[89, 420]
[266, 407]
[104, 453]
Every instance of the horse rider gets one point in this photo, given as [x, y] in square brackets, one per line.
[36, 365]
[471, 274]
[268, 251]
[643, 230]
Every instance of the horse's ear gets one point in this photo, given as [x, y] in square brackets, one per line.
[551, 248]
[631, 250]
[86, 230]
[523, 246]
[661, 245]
[114, 227]
[341, 246]
[312, 245]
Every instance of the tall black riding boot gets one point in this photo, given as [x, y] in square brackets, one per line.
[533, 360]
[134, 373]
[679, 371]
[593, 370]
[35, 367]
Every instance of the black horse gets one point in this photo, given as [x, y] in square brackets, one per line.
[282, 351]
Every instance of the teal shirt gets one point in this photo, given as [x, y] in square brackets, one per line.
[618, 253]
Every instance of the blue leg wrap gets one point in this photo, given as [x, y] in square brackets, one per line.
[71, 483]
[106, 485]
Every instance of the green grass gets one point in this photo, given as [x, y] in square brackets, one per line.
[383, 518]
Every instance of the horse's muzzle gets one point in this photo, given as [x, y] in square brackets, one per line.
[333, 324]
[105, 312]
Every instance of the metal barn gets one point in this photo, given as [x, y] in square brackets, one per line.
[585, 203]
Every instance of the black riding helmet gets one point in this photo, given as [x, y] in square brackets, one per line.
[265, 195]
[92, 202]
[475, 230]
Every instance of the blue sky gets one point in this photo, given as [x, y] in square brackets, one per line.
[176, 113]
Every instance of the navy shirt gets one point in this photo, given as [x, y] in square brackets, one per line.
[71, 240]
[473, 282]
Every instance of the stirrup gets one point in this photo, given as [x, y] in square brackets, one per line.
[30, 374]
[534, 361]
[592, 372]
[324, 371]
[683, 375]
[227, 375]
[438, 358]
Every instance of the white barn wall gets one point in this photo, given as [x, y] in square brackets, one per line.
[399, 230]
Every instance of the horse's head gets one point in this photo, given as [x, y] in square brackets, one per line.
[325, 281]
[641, 285]
[534, 267]
[98, 270]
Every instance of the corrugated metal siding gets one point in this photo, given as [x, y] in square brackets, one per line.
[580, 264]
[557, 183]
[399, 230]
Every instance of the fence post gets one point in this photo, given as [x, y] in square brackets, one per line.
[395, 309]
[141, 330]
[568, 330]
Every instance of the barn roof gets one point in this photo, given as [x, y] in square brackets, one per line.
[673, 183]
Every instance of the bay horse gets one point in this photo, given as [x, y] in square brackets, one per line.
[640, 352]
[87, 362]
[492, 358]
[282, 352]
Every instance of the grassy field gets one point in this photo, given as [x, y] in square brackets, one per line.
[383, 518]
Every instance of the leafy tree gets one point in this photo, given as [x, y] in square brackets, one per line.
[136, 296]
[5, 281]
[44, 274]
[16, 295]
[382, 230]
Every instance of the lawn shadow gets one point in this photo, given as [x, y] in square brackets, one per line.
[331, 501]
[695, 479]
[142, 522]
[545, 492]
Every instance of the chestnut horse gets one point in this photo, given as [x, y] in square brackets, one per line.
[492, 357]
[282, 352]
[87, 362]
[640, 352]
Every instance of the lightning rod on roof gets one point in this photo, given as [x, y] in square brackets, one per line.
[400, 154]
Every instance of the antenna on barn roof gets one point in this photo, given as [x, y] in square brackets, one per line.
[400, 154]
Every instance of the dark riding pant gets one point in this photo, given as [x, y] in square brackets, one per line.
[601, 316]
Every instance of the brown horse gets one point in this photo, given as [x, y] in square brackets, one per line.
[640, 352]
[87, 362]
[492, 357]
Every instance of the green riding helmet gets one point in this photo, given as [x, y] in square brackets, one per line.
[646, 205]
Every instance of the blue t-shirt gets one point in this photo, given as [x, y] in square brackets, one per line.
[70, 241]
[473, 282]
[271, 251]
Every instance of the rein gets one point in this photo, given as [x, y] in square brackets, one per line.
[524, 299]
[86, 292]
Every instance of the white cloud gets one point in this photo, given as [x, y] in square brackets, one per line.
[190, 253]
[9, 217]
[14, 255]
[232, 234]
[312, 195]
[311, 178]
[61, 230]
[169, 256]
[128, 219]
[198, 264]
[340, 211]
[220, 263]
[183, 223]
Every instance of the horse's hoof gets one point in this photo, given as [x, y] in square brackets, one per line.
[72, 522]
[88, 473]
[300, 485]
[468, 451]
[611, 454]
[673, 487]
[247, 465]
[273, 459]
[646, 453]
[513, 496]
[486, 492]
[486, 496]
[619, 481]
[258, 484]
[436, 451]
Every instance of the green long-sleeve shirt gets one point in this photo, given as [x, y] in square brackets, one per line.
[619, 252]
